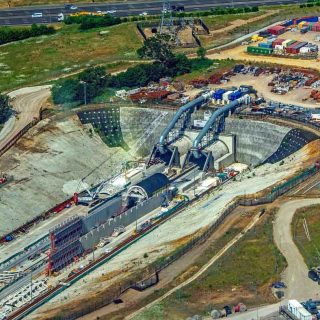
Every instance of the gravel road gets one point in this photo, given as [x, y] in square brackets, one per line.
[299, 286]
[27, 103]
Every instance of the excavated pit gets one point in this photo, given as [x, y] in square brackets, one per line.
[49, 161]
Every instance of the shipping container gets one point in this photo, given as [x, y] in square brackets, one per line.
[226, 95]
[259, 50]
[288, 43]
[218, 94]
[271, 39]
[287, 23]
[298, 310]
[264, 34]
[265, 45]
[310, 25]
[316, 27]
[307, 19]
[290, 48]
[235, 95]
[277, 42]
[299, 46]
[276, 30]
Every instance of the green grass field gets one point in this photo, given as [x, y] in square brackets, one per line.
[37, 60]
[310, 250]
[243, 274]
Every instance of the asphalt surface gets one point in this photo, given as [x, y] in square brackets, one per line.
[23, 15]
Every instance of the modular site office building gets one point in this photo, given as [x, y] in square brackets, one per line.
[259, 50]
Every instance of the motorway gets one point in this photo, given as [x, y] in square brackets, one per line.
[22, 15]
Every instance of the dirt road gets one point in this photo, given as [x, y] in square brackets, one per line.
[27, 102]
[299, 286]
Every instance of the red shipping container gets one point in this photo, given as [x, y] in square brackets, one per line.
[316, 27]
[277, 42]
[291, 48]
[276, 30]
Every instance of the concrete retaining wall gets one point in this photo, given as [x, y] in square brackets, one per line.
[105, 230]
[255, 140]
[102, 213]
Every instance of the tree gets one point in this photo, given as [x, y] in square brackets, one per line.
[182, 65]
[201, 52]
[157, 48]
[95, 79]
[65, 91]
[5, 108]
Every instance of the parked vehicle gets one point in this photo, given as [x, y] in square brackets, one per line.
[117, 231]
[313, 275]
[103, 242]
[143, 226]
[278, 285]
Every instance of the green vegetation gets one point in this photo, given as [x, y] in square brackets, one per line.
[40, 59]
[310, 250]
[93, 81]
[14, 34]
[242, 274]
[89, 22]
[310, 4]
[5, 108]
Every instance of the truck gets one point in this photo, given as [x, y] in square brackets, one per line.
[143, 226]
[103, 242]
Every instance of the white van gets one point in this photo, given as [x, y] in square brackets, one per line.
[37, 15]
[60, 16]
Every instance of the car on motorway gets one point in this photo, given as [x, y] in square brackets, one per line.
[60, 16]
[37, 15]
[70, 7]
[143, 14]
[111, 11]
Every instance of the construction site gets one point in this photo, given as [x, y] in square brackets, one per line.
[118, 201]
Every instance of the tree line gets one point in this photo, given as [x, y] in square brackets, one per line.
[89, 22]
[5, 108]
[95, 80]
[8, 34]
